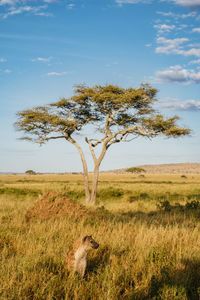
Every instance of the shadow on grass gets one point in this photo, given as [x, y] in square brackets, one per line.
[98, 261]
[180, 284]
[168, 283]
[53, 204]
[178, 214]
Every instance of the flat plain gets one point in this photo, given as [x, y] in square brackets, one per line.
[148, 228]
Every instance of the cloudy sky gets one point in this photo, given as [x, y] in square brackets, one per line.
[46, 47]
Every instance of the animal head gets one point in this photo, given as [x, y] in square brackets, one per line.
[89, 242]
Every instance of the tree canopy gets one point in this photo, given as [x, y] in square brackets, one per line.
[30, 172]
[118, 114]
[136, 170]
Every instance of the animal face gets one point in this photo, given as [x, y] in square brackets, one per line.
[89, 242]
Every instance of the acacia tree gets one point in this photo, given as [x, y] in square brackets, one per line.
[116, 113]
[136, 170]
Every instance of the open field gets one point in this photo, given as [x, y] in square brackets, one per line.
[148, 229]
[181, 168]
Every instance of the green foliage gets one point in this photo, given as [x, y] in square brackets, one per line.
[194, 196]
[136, 170]
[30, 172]
[75, 194]
[110, 192]
[160, 257]
[123, 111]
[193, 205]
[18, 192]
[165, 205]
[158, 125]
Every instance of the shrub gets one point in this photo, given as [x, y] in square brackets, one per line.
[136, 170]
[30, 172]
[192, 205]
[164, 205]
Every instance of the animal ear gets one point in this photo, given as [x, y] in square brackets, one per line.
[84, 239]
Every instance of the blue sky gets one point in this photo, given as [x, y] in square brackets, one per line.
[47, 47]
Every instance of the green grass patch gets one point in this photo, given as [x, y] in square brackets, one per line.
[19, 192]
[110, 193]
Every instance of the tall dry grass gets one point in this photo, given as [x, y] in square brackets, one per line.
[147, 251]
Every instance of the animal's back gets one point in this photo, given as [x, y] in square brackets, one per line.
[70, 257]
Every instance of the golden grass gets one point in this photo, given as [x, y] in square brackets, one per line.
[145, 252]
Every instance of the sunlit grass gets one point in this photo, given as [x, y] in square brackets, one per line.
[145, 252]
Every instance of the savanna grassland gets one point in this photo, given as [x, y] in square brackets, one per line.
[148, 229]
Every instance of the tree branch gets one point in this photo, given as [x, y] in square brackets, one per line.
[91, 149]
[54, 138]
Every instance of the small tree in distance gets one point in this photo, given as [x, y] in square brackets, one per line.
[30, 172]
[116, 115]
[136, 170]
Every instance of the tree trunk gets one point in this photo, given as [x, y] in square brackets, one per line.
[97, 163]
[94, 184]
[85, 176]
[86, 184]
[85, 169]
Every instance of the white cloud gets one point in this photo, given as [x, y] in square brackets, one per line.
[42, 59]
[177, 74]
[50, 1]
[162, 28]
[112, 64]
[174, 46]
[166, 13]
[190, 52]
[194, 62]
[194, 45]
[7, 71]
[8, 2]
[170, 45]
[57, 73]
[3, 60]
[36, 10]
[189, 15]
[190, 3]
[43, 14]
[176, 104]
[70, 5]
[15, 2]
[121, 2]
[196, 29]
[170, 14]
[16, 7]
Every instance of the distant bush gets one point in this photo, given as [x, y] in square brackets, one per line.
[141, 176]
[141, 196]
[192, 205]
[136, 170]
[30, 172]
[164, 205]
